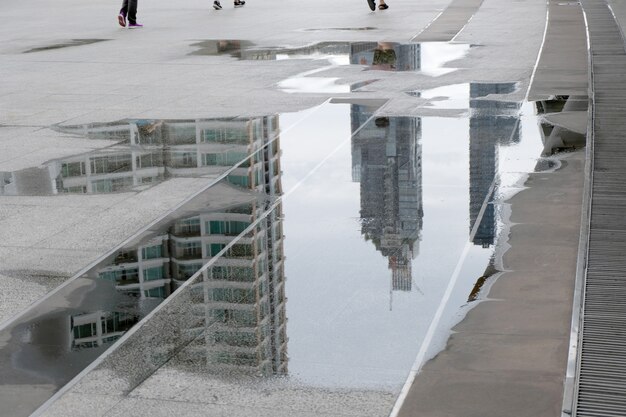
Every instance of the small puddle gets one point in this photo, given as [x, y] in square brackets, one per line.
[64, 44]
[428, 58]
[147, 152]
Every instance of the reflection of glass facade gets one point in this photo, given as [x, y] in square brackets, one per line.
[492, 124]
[96, 329]
[386, 161]
[149, 152]
[240, 314]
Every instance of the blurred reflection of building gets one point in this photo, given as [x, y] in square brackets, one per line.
[558, 133]
[148, 152]
[242, 306]
[386, 55]
[379, 55]
[493, 123]
[386, 160]
[98, 328]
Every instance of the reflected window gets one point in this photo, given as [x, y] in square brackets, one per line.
[241, 180]
[150, 160]
[152, 274]
[111, 185]
[85, 330]
[225, 136]
[187, 270]
[155, 292]
[189, 227]
[233, 295]
[214, 248]
[233, 273]
[73, 169]
[184, 160]
[236, 339]
[228, 228]
[110, 164]
[225, 159]
[190, 249]
[235, 317]
[152, 252]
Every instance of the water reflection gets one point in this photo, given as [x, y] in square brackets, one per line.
[429, 58]
[493, 124]
[147, 152]
[359, 185]
[377, 55]
[563, 125]
[386, 161]
[235, 313]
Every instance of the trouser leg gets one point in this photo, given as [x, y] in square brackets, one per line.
[124, 9]
[132, 10]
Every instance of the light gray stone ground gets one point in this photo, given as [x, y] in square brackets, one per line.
[149, 73]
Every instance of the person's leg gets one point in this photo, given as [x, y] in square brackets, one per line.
[132, 11]
[124, 9]
[121, 17]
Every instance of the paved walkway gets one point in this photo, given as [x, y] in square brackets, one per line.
[509, 356]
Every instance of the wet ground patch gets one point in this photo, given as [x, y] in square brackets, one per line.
[64, 44]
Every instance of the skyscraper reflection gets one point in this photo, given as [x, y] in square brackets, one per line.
[386, 161]
[493, 123]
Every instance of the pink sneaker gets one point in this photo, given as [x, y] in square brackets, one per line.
[121, 19]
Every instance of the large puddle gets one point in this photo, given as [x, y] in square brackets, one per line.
[320, 253]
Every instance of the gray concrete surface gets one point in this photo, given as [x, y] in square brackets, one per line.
[149, 73]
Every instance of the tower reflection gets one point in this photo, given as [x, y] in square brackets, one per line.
[386, 161]
[493, 123]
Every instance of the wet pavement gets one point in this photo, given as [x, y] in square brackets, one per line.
[276, 224]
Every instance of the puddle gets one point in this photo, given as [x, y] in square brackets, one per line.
[313, 246]
[429, 58]
[148, 152]
[563, 123]
[65, 44]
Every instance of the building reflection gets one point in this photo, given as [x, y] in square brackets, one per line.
[493, 123]
[147, 152]
[567, 133]
[240, 309]
[386, 161]
[390, 56]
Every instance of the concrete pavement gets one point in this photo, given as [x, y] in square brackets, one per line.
[152, 73]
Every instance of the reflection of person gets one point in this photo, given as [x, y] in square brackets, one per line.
[384, 57]
[381, 6]
[128, 10]
[218, 6]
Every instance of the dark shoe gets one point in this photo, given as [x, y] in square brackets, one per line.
[134, 25]
[382, 7]
[372, 4]
[217, 5]
[121, 19]
[239, 3]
